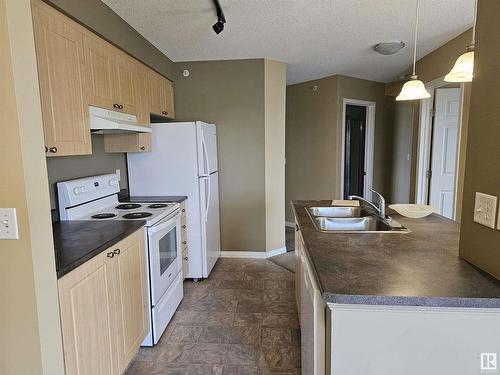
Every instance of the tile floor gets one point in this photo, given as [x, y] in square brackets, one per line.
[242, 320]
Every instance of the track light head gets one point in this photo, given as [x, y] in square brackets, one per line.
[218, 26]
[221, 20]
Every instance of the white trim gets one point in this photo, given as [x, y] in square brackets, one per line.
[289, 224]
[369, 144]
[253, 254]
[425, 142]
[274, 252]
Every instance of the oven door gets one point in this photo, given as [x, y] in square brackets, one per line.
[164, 242]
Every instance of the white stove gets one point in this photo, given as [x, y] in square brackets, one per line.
[96, 198]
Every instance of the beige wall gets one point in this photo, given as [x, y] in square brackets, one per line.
[274, 96]
[314, 137]
[30, 335]
[478, 244]
[311, 141]
[104, 21]
[69, 167]
[230, 94]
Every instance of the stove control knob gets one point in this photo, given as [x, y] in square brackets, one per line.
[82, 189]
[76, 191]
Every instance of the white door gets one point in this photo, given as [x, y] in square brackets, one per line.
[207, 146]
[445, 150]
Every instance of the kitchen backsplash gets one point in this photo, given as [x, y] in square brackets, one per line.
[70, 167]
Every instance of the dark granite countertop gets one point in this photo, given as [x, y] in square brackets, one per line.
[155, 199]
[76, 242]
[421, 268]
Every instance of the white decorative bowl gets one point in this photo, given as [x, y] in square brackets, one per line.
[414, 211]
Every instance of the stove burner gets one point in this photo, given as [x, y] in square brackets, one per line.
[103, 216]
[128, 206]
[137, 215]
[158, 205]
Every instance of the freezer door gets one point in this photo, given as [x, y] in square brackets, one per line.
[207, 148]
[209, 201]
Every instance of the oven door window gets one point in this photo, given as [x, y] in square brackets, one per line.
[168, 250]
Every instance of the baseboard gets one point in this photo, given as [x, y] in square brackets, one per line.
[253, 254]
[289, 224]
[274, 252]
[243, 254]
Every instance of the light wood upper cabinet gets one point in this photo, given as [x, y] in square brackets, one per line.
[61, 73]
[124, 83]
[104, 309]
[99, 60]
[161, 95]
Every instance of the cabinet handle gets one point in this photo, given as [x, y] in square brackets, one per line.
[185, 258]
[120, 106]
[164, 113]
[184, 242]
[117, 251]
[183, 227]
[183, 210]
[116, 105]
[143, 148]
[111, 254]
[46, 149]
[53, 150]
[296, 228]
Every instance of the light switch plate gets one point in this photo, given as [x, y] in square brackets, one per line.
[8, 224]
[485, 209]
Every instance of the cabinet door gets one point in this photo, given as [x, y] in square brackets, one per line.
[167, 98]
[125, 83]
[99, 60]
[89, 331]
[143, 93]
[61, 73]
[127, 142]
[132, 296]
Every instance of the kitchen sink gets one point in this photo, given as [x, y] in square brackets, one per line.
[333, 211]
[351, 220]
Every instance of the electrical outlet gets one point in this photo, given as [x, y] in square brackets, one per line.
[8, 224]
[485, 210]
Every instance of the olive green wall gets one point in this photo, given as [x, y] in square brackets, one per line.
[230, 94]
[478, 244]
[311, 141]
[101, 19]
[314, 137]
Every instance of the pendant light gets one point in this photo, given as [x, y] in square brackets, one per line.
[463, 69]
[414, 88]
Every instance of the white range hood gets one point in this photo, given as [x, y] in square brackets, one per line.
[107, 121]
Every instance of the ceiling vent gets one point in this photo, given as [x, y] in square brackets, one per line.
[389, 48]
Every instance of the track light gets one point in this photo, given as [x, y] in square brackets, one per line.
[221, 20]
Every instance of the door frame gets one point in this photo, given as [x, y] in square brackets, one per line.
[369, 144]
[426, 117]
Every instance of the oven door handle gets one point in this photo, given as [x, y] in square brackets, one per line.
[165, 223]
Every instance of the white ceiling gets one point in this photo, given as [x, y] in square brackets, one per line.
[316, 38]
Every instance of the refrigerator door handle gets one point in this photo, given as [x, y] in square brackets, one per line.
[205, 154]
[206, 181]
[208, 199]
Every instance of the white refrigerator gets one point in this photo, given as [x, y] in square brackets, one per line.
[183, 161]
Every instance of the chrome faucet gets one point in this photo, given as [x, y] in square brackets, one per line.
[380, 209]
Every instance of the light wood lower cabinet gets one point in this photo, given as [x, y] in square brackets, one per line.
[103, 306]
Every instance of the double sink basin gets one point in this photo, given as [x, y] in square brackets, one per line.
[333, 219]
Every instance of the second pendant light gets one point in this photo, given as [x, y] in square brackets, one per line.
[414, 88]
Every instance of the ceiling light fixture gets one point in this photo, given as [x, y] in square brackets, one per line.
[389, 48]
[414, 88]
[464, 66]
[221, 20]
